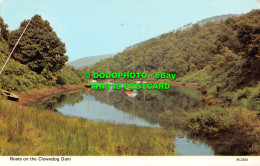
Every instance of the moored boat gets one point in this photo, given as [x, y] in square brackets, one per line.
[128, 89]
[87, 86]
[110, 83]
[9, 95]
[131, 95]
[93, 81]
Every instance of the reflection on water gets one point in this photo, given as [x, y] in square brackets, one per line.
[96, 110]
[191, 148]
[144, 108]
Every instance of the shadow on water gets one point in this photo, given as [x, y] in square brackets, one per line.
[151, 108]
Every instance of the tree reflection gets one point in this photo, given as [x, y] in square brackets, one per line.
[168, 107]
[58, 101]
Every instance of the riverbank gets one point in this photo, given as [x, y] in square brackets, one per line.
[39, 95]
[32, 131]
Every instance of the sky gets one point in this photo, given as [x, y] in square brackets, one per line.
[97, 27]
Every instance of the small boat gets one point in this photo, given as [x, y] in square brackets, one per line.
[87, 86]
[138, 82]
[131, 95]
[144, 82]
[93, 81]
[110, 83]
[9, 95]
[128, 89]
[128, 92]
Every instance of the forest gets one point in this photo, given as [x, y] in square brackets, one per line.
[38, 60]
[223, 58]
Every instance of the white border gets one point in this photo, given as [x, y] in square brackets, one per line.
[135, 161]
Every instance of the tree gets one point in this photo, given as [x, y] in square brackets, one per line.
[40, 48]
[3, 30]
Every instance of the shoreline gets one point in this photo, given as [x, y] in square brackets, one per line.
[41, 94]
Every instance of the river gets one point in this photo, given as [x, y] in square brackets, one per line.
[119, 107]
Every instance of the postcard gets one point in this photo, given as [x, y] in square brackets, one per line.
[129, 82]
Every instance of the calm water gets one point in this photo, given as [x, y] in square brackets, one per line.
[144, 109]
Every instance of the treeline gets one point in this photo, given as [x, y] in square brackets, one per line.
[38, 60]
[222, 57]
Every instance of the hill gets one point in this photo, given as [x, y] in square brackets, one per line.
[214, 19]
[83, 62]
[222, 57]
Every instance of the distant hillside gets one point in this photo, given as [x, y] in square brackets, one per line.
[215, 19]
[83, 62]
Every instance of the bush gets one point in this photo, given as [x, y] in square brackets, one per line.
[18, 77]
[213, 121]
[68, 75]
[248, 97]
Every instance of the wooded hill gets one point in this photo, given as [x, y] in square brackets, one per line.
[222, 57]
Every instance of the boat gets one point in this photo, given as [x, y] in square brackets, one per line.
[87, 86]
[131, 95]
[110, 83]
[128, 89]
[9, 95]
[93, 81]
[138, 82]
[128, 92]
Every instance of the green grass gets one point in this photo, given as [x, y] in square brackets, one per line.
[30, 131]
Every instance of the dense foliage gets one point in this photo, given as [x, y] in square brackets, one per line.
[235, 131]
[4, 33]
[40, 47]
[222, 57]
[39, 59]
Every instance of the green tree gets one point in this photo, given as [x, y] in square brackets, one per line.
[3, 30]
[40, 46]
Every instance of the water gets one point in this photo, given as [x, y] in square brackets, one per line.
[185, 146]
[144, 109]
[92, 109]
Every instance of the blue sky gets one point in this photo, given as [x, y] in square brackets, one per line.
[97, 27]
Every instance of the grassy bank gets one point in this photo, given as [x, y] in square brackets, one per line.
[30, 131]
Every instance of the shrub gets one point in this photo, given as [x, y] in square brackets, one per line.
[68, 76]
[212, 121]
